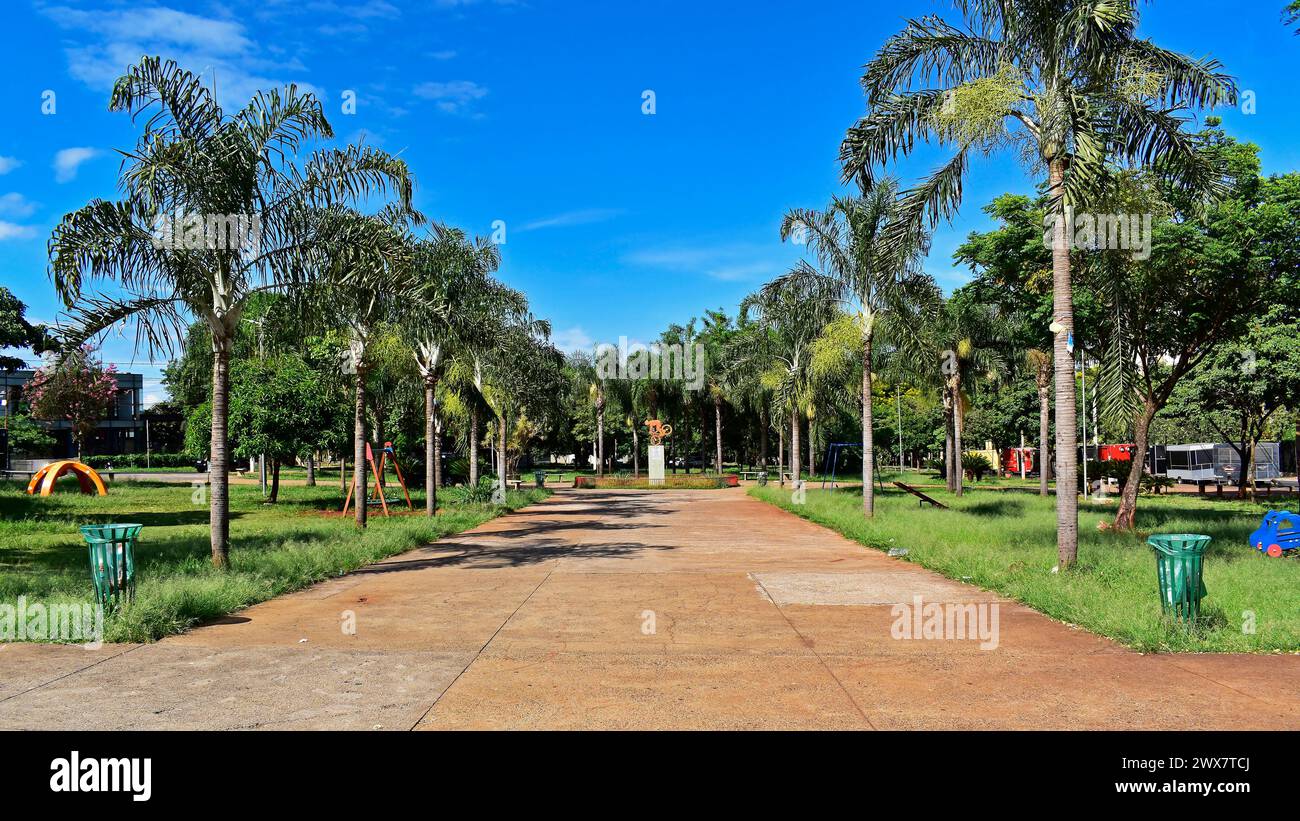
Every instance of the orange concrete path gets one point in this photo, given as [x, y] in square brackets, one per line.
[634, 609]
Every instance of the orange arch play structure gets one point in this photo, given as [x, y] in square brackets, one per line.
[48, 475]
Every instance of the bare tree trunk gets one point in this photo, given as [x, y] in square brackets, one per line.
[311, 470]
[219, 461]
[1044, 431]
[343, 473]
[275, 480]
[1067, 439]
[473, 446]
[359, 466]
[430, 450]
[868, 434]
[780, 455]
[812, 448]
[762, 438]
[1126, 516]
[717, 433]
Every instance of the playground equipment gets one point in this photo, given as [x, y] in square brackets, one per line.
[48, 475]
[923, 497]
[833, 451]
[378, 470]
[1277, 533]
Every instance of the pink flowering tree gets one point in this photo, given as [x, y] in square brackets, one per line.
[77, 388]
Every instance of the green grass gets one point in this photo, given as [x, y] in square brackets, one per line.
[275, 548]
[1007, 543]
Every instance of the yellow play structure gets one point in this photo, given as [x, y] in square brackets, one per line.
[48, 475]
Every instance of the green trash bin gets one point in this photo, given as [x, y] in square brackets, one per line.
[539, 476]
[112, 560]
[1178, 569]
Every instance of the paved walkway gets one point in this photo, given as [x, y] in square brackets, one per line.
[632, 609]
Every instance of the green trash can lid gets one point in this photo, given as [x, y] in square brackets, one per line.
[110, 532]
[1179, 542]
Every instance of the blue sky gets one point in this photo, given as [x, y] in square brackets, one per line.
[617, 222]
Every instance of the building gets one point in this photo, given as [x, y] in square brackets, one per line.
[120, 431]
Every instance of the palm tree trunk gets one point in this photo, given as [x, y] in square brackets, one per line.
[958, 451]
[1044, 431]
[812, 448]
[473, 445]
[1067, 440]
[949, 467]
[437, 457]
[868, 434]
[762, 437]
[1126, 516]
[717, 434]
[219, 461]
[600, 434]
[359, 465]
[780, 455]
[794, 449]
[311, 470]
[501, 446]
[636, 453]
[430, 450]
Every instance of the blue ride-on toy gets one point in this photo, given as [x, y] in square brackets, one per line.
[1277, 533]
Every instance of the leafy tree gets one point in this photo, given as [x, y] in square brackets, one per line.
[25, 436]
[1209, 270]
[196, 160]
[275, 410]
[77, 388]
[1244, 384]
[1069, 87]
[17, 332]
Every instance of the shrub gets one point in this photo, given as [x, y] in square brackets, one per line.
[976, 465]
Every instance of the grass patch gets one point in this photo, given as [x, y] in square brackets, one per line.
[1007, 544]
[275, 549]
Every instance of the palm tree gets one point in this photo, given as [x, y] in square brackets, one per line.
[1040, 362]
[870, 278]
[206, 167]
[597, 394]
[1071, 86]
[790, 312]
[457, 272]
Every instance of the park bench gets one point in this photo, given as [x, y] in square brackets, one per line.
[752, 475]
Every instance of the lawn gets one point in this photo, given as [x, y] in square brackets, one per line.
[1007, 543]
[275, 548]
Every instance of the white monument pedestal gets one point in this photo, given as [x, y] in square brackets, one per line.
[656, 464]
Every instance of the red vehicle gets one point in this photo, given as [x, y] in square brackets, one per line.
[1116, 453]
[1011, 459]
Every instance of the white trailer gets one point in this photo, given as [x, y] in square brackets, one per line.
[1218, 462]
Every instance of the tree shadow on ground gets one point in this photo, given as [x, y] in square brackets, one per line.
[491, 557]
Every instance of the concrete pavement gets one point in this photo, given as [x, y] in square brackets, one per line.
[634, 609]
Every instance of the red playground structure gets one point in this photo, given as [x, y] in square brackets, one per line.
[1011, 458]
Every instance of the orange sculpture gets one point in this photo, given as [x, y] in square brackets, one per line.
[48, 475]
[658, 430]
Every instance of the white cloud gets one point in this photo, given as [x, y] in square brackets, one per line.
[446, 54]
[8, 164]
[68, 160]
[9, 230]
[728, 263]
[583, 217]
[452, 97]
[572, 339]
[16, 205]
[104, 43]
